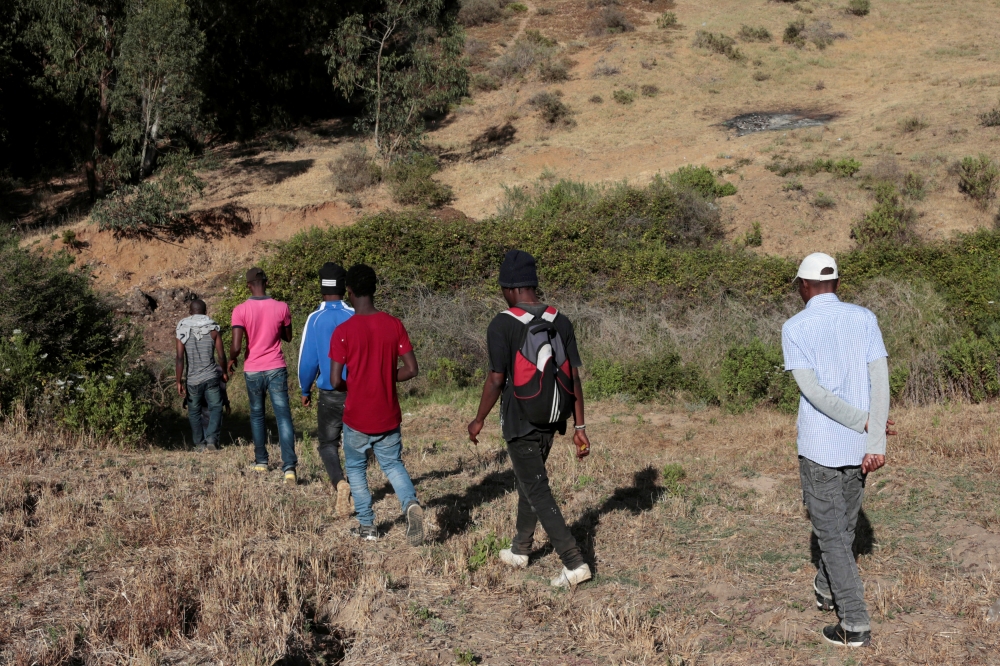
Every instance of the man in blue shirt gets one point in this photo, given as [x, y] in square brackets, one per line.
[314, 366]
[836, 354]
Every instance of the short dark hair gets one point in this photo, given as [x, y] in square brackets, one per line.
[197, 306]
[361, 279]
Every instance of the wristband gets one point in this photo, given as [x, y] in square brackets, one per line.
[580, 427]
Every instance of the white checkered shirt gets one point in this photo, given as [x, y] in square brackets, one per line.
[837, 341]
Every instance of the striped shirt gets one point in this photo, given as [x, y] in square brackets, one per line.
[201, 366]
[837, 341]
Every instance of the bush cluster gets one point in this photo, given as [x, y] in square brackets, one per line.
[753, 374]
[355, 170]
[888, 222]
[644, 379]
[758, 34]
[844, 168]
[478, 12]
[64, 354]
[979, 177]
[609, 21]
[150, 204]
[552, 109]
[718, 43]
[859, 7]
[411, 184]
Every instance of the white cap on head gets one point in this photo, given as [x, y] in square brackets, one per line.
[812, 267]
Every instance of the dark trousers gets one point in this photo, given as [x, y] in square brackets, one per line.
[330, 424]
[833, 498]
[535, 502]
[205, 395]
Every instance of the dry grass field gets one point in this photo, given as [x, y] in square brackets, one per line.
[163, 556]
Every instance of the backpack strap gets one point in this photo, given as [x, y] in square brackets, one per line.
[526, 317]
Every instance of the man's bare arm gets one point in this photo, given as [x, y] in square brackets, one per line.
[492, 388]
[179, 367]
[409, 370]
[235, 347]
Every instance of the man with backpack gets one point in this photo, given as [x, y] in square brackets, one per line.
[371, 344]
[835, 352]
[534, 371]
[314, 366]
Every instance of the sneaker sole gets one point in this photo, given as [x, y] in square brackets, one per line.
[852, 644]
[415, 525]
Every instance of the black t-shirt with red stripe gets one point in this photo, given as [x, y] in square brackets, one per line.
[503, 339]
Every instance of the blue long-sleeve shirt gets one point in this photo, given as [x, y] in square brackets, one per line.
[314, 349]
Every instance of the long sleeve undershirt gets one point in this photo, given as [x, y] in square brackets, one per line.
[835, 408]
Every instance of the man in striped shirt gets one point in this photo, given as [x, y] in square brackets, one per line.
[198, 342]
[314, 366]
[836, 354]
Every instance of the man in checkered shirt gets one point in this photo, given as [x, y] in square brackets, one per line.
[836, 354]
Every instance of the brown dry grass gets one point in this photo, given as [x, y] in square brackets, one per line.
[169, 557]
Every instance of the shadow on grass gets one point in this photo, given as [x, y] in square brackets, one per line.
[638, 498]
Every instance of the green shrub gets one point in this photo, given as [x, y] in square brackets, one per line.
[912, 124]
[701, 180]
[552, 71]
[531, 49]
[888, 222]
[354, 170]
[551, 108]
[609, 21]
[644, 379]
[760, 34]
[623, 96]
[844, 168]
[478, 12]
[411, 184]
[107, 406]
[151, 204]
[753, 374]
[913, 186]
[596, 99]
[485, 82]
[795, 33]
[56, 334]
[666, 20]
[517, 7]
[823, 200]
[859, 7]
[754, 237]
[486, 549]
[978, 177]
[973, 367]
[991, 118]
[718, 43]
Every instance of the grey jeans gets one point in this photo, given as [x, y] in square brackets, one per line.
[833, 496]
[330, 422]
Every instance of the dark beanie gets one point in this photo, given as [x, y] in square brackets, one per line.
[332, 279]
[518, 270]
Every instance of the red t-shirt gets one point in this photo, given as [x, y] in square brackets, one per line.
[370, 347]
[262, 319]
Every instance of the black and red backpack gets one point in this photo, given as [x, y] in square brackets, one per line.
[542, 379]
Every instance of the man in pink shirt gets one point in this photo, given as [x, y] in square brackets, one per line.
[265, 322]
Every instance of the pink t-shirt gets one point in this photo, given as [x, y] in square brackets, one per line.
[262, 319]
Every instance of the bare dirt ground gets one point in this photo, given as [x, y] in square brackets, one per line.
[935, 63]
[167, 556]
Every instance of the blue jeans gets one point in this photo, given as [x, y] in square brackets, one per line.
[274, 383]
[209, 393]
[388, 449]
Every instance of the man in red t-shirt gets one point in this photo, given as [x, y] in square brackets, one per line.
[370, 345]
[265, 322]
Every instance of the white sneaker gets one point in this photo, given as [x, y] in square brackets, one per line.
[572, 578]
[509, 557]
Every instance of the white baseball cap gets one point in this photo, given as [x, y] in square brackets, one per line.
[812, 267]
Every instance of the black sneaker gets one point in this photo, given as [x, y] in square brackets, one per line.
[824, 603]
[211, 446]
[837, 635]
[366, 532]
[414, 524]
